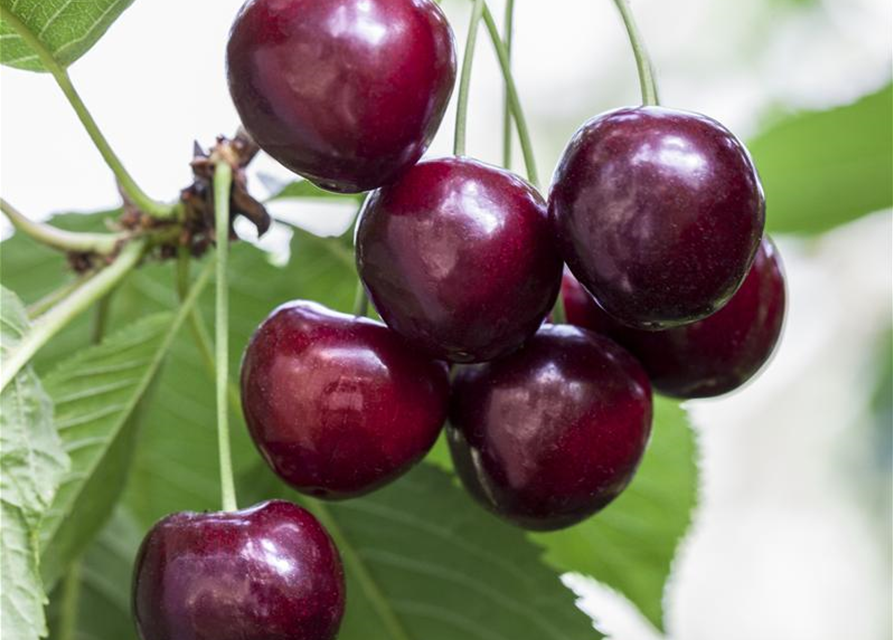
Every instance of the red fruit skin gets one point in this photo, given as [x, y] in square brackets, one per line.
[707, 358]
[347, 93]
[658, 214]
[339, 405]
[554, 432]
[458, 257]
[270, 572]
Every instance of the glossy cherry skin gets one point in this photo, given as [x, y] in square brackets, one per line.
[339, 405]
[457, 257]
[554, 432]
[347, 93]
[270, 572]
[712, 356]
[658, 213]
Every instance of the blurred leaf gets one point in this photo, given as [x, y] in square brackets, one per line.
[97, 395]
[823, 169]
[101, 580]
[66, 28]
[32, 463]
[423, 561]
[630, 545]
[306, 189]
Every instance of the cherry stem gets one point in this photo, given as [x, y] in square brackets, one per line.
[51, 299]
[643, 61]
[49, 324]
[465, 78]
[99, 243]
[223, 178]
[507, 123]
[127, 183]
[514, 100]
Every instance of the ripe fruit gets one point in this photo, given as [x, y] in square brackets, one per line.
[710, 357]
[339, 405]
[553, 433]
[458, 258]
[658, 214]
[270, 572]
[348, 93]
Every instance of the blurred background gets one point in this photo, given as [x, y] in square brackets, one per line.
[792, 537]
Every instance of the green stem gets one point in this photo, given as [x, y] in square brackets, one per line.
[223, 178]
[200, 330]
[361, 301]
[507, 123]
[100, 317]
[647, 81]
[71, 594]
[128, 185]
[100, 243]
[514, 100]
[52, 298]
[465, 78]
[54, 320]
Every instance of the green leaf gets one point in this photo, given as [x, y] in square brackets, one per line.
[31, 466]
[100, 579]
[823, 169]
[306, 189]
[423, 561]
[65, 28]
[630, 545]
[97, 395]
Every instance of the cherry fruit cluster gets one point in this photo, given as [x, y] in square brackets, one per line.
[657, 213]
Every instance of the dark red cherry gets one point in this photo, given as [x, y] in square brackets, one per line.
[339, 405]
[270, 572]
[710, 357]
[658, 214]
[348, 93]
[554, 432]
[458, 258]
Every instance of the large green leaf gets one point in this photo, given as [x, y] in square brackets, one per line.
[423, 561]
[31, 466]
[65, 28]
[97, 585]
[97, 395]
[822, 169]
[630, 545]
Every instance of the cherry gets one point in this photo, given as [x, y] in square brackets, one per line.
[710, 357]
[554, 432]
[348, 93]
[658, 213]
[458, 258]
[339, 405]
[270, 572]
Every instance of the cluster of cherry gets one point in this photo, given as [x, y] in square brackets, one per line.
[657, 213]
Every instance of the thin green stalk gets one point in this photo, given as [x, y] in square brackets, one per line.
[71, 595]
[128, 185]
[100, 317]
[465, 78]
[200, 330]
[54, 320]
[101, 243]
[52, 298]
[361, 301]
[647, 81]
[507, 124]
[514, 100]
[223, 178]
